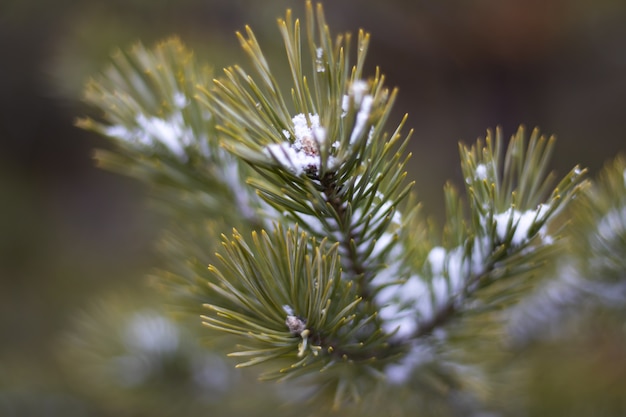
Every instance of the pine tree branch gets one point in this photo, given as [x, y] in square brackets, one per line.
[498, 248]
[349, 285]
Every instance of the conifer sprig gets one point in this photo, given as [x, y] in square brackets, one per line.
[164, 136]
[591, 274]
[324, 162]
[602, 221]
[283, 295]
[323, 158]
[345, 287]
[488, 263]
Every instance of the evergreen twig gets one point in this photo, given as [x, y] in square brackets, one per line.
[331, 275]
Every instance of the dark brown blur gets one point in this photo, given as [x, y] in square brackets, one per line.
[69, 232]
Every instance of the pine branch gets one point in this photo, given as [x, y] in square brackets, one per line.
[488, 263]
[331, 275]
[164, 136]
[568, 330]
[602, 220]
[333, 151]
[348, 191]
[285, 296]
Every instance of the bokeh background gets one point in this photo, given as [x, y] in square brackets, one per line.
[75, 240]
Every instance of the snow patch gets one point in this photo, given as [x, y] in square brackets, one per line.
[180, 100]
[481, 172]
[361, 118]
[171, 132]
[521, 222]
[436, 259]
[301, 155]
[149, 332]
[363, 102]
[399, 373]
[319, 63]
[396, 319]
[612, 227]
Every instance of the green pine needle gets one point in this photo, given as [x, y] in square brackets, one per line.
[265, 289]
[351, 284]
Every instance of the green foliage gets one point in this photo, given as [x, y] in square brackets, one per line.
[136, 360]
[162, 134]
[513, 224]
[354, 170]
[566, 336]
[284, 295]
[331, 276]
[164, 137]
[602, 231]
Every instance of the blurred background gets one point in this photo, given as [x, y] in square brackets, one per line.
[72, 236]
